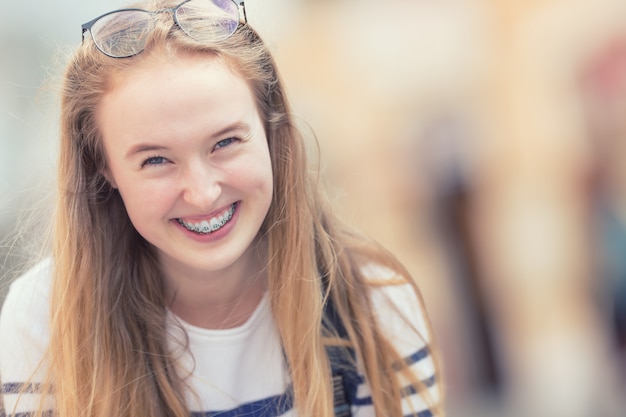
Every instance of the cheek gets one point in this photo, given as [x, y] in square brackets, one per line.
[145, 201]
[259, 176]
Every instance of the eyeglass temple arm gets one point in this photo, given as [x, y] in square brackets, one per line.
[242, 13]
[86, 27]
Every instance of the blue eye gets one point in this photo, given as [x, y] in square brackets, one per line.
[224, 142]
[154, 160]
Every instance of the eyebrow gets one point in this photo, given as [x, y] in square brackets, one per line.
[148, 147]
[143, 147]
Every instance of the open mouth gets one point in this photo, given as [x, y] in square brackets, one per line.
[211, 225]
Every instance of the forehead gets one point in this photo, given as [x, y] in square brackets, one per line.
[182, 98]
[163, 77]
[163, 56]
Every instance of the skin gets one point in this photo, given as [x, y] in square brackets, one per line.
[184, 140]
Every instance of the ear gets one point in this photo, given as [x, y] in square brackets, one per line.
[106, 173]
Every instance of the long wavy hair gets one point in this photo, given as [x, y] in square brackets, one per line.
[108, 354]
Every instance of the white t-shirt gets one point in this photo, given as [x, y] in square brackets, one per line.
[233, 372]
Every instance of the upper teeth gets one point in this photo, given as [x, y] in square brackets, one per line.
[211, 225]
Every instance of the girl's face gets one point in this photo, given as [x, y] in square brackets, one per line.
[187, 151]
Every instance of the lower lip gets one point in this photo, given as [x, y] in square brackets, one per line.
[210, 237]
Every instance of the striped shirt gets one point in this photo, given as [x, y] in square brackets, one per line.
[233, 372]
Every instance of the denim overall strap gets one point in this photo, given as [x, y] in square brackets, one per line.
[342, 361]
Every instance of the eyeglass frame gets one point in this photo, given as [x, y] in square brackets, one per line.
[86, 27]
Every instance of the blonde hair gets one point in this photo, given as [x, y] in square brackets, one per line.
[108, 307]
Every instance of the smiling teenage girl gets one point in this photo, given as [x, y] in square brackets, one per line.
[195, 270]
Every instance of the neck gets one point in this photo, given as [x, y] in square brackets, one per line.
[217, 299]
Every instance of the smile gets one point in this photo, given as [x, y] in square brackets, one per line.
[211, 225]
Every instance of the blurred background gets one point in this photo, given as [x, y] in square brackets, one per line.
[481, 141]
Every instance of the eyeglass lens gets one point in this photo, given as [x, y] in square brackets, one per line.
[124, 33]
[206, 20]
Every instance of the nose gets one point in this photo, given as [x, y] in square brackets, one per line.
[201, 186]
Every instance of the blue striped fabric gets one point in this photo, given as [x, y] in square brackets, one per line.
[267, 407]
[414, 358]
[407, 391]
[16, 388]
[27, 414]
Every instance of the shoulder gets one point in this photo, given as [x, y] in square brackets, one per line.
[397, 305]
[402, 320]
[24, 323]
[29, 292]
